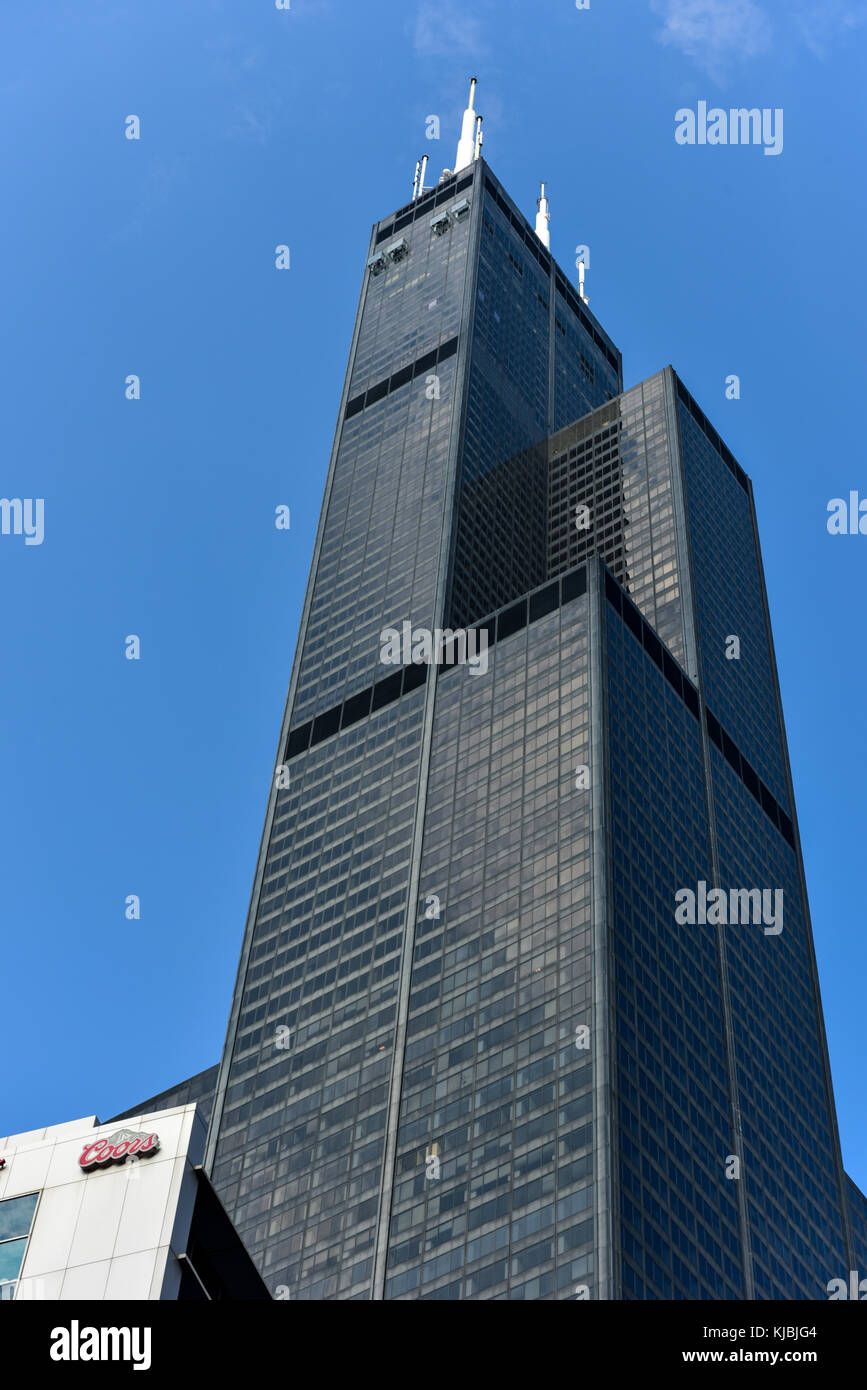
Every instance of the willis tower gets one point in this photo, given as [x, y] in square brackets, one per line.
[480, 1045]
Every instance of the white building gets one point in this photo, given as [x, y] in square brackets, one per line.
[122, 1210]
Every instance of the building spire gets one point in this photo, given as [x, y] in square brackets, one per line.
[581, 270]
[467, 142]
[543, 218]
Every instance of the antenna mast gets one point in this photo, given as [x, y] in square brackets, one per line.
[467, 142]
[543, 218]
[478, 145]
[582, 295]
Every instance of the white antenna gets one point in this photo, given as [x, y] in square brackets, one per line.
[467, 141]
[478, 145]
[543, 218]
[421, 176]
[415, 180]
[581, 294]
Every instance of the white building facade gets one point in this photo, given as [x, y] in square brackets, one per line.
[117, 1211]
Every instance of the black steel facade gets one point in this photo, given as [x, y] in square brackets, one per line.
[471, 1052]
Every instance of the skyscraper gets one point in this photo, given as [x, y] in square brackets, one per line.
[475, 1050]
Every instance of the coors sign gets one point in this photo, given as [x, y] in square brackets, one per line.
[123, 1144]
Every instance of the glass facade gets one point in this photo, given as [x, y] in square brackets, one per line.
[729, 597]
[791, 1180]
[620, 463]
[16, 1221]
[493, 1187]
[857, 1203]
[381, 543]
[537, 359]
[679, 1232]
[304, 1116]
[473, 1052]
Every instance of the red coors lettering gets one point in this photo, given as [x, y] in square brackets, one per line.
[117, 1148]
[94, 1153]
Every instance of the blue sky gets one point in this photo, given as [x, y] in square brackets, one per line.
[156, 257]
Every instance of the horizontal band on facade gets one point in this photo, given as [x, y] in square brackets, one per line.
[711, 435]
[503, 624]
[683, 685]
[354, 709]
[433, 198]
[420, 367]
[528, 610]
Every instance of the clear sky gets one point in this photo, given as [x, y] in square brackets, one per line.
[262, 127]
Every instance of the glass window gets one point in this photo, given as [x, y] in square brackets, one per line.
[11, 1255]
[16, 1218]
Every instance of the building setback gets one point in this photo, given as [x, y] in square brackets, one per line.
[471, 1051]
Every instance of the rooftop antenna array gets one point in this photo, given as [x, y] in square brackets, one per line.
[469, 150]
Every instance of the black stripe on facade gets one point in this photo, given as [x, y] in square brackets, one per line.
[689, 694]
[393, 383]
